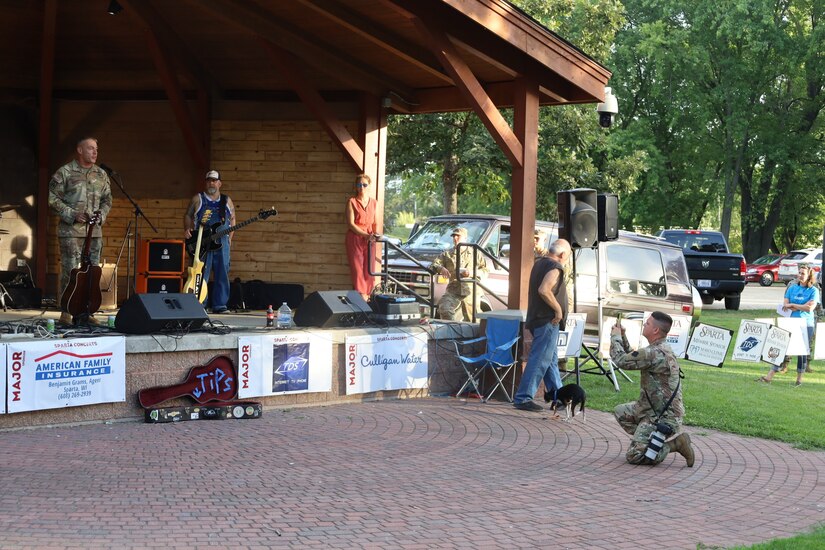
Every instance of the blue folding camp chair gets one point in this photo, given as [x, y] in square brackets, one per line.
[500, 357]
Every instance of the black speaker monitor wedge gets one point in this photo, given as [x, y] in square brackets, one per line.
[147, 313]
[333, 308]
[578, 217]
[608, 217]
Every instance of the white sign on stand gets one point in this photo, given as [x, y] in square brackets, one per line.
[283, 363]
[632, 331]
[570, 339]
[709, 345]
[819, 339]
[776, 345]
[65, 373]
[798, 327]
[750, 340]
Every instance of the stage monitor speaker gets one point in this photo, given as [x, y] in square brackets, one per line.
[608, 217]
[161, 256]
[145, 313]
[578, 217]
[333, 308]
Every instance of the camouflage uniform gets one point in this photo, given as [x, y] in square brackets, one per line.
[73, 189]
[457, 302]
[660, 374]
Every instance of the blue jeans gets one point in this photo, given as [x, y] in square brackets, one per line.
[542, 364]
[802, 360]
[217, 262]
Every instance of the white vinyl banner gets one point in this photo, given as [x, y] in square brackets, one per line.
[2, 378]
[679, 334]
[750, 340]
[570, 339]
[709, 345]
[819, 341]
[283, 363]
[392, 361]
[776, 345]
[65, 373]
[798, 328]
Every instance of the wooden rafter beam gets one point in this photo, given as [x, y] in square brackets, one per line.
[171, 42]
[378, 35]
[472, 90]
[174, 92]
[289, 67]
[322, 56]
[47, 45]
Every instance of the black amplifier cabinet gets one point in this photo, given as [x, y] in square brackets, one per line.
[390, 304]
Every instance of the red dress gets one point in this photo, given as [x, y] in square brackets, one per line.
[357, 246]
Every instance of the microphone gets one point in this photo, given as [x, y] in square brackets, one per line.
[108, 170]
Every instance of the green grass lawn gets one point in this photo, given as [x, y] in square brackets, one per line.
[729, 399]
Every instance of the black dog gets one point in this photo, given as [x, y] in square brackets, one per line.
[569, 396]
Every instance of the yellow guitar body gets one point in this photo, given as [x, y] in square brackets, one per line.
[194, 275]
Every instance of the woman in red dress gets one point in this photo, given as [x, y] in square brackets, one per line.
[361, 234]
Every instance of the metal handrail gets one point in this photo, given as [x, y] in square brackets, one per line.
[386, 276]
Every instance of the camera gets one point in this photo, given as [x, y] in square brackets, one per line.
[657, 440]
[608, 109]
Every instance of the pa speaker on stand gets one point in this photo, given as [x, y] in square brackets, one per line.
[578, 217]
[608, 217]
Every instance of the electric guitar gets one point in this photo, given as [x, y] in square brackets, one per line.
[212, 236]
[194, 273]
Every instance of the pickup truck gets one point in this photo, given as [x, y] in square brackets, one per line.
[713, 270]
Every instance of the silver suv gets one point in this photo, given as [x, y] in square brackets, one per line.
[638, 273]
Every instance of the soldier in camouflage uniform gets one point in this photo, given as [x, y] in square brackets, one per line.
[659, 378]
[457, 302]
[76, 191]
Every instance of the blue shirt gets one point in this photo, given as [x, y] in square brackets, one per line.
[798, 294]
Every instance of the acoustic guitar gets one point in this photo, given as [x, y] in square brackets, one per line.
[194, 274]
[81, 297]
[212, 236]
[215, 381]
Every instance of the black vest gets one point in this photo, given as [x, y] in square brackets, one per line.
[538, 311]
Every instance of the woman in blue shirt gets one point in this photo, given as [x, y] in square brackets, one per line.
[800, 299]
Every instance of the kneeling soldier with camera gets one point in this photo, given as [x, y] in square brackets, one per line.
[659, 410]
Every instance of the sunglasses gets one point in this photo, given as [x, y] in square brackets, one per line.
[359, 185]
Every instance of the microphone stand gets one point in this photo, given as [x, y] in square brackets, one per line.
[130, 288]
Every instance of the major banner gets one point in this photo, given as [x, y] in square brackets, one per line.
[2, 378]
[392, 361]
[709, 345]
[65, 373]
[750, 340]
[283, 364]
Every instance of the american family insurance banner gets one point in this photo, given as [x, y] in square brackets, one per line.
[392, 361]
[282, 364]
[65, 373]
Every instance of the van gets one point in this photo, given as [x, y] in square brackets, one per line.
[638, 273]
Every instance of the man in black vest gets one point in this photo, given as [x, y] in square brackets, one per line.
[546, 310]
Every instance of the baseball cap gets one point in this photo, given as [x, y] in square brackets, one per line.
[460, 231]
[213, 175]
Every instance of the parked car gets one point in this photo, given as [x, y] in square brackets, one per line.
[764, 270]
[632, 274]
[788, 267]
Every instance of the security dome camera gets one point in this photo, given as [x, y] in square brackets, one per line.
[608, 109]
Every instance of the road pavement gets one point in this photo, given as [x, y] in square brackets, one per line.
[756, 297]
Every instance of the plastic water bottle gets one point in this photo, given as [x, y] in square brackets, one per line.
[284, 316]
[270, 316]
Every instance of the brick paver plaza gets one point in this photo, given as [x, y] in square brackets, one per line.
[431, 473]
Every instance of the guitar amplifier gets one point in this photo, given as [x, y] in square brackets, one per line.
[158, 284]
[161, 256]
